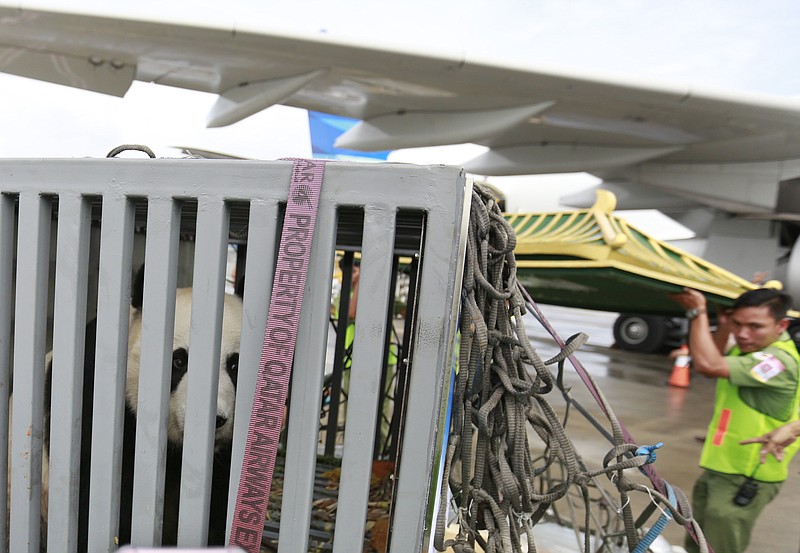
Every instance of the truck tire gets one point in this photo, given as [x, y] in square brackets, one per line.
[640, 333]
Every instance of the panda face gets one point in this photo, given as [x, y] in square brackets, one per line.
[228, 366]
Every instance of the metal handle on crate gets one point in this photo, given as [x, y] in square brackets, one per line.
[133, 147]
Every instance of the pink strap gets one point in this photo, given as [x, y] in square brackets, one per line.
[277, 355]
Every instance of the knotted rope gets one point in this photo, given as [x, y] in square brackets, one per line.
[500, 389]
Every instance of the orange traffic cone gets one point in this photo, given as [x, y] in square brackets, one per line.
[680, 368]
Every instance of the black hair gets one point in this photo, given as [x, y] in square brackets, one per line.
[776, 301]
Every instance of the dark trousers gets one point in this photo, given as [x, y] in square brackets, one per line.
[727, 526]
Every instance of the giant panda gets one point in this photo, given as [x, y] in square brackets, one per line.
[228, 367]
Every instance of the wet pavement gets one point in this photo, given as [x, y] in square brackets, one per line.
[635, 386]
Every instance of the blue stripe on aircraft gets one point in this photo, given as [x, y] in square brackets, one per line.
[325, 129]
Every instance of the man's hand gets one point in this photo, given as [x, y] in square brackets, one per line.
[774, 442]
[690, 299]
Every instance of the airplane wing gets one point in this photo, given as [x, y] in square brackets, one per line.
[727, 150]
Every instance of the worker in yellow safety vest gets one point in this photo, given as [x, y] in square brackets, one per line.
[757, 392]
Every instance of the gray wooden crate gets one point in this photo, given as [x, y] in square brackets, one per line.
[48, 210]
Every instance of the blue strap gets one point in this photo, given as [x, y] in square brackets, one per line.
[660, 524]
[663, 520]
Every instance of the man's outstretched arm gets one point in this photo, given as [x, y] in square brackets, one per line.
[773, 443]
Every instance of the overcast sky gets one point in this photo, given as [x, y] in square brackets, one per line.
[725, 44]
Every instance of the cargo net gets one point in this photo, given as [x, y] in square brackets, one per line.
[498, 491]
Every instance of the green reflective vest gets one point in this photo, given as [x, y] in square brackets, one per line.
[735, 421]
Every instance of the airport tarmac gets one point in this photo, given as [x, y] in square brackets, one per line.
[635, 386]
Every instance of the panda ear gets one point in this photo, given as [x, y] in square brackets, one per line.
[137, 289]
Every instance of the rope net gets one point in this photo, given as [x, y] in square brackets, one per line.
[499, 490]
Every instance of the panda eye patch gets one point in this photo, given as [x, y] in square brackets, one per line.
[180, 363]
[232, 364]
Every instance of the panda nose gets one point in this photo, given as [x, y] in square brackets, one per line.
[221, 420]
